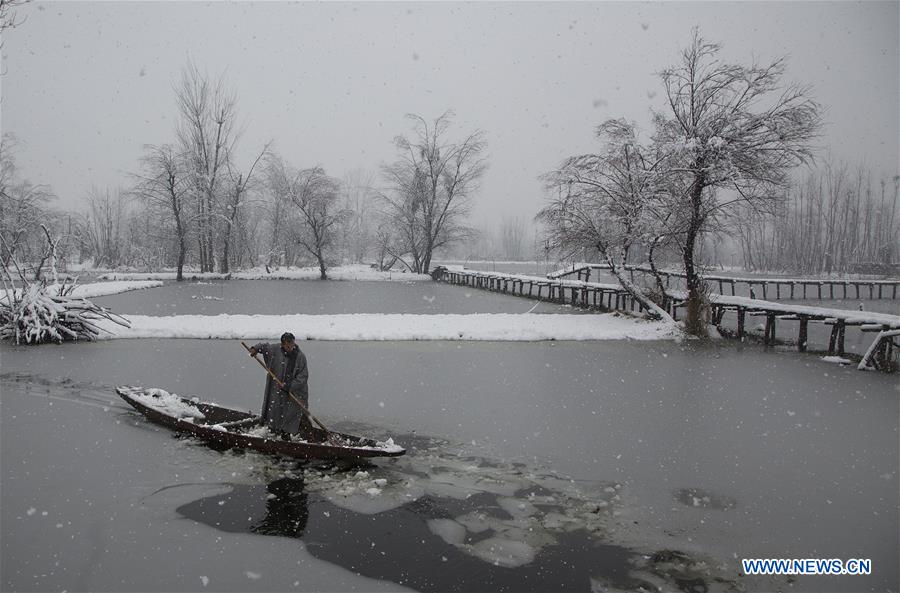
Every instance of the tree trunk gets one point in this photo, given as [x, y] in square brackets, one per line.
[694, 322]
[659, 283]
[226, 246]
[321, 258]
[182, 250]
[653, 310]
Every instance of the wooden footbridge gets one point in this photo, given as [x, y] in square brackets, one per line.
[787, 288]
[583, 293]
[566, 292]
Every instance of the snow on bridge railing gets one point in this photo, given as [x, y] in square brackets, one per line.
[584, 269]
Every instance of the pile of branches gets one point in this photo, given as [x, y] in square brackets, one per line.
[36, 312]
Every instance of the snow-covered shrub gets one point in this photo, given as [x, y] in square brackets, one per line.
[36, 314]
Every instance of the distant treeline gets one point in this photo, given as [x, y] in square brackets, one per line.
[836, 220]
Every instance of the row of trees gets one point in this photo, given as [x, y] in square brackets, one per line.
[836, 220]
[192, 203]
[730, 138]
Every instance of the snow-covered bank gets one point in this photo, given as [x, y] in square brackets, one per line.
[352, 272]
[98, 289]
[487, 327]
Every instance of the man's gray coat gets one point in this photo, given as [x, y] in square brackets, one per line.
[279, 411]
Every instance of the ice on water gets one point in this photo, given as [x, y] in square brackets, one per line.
[529, 510]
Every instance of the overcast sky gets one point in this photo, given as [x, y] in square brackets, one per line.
[86, 84]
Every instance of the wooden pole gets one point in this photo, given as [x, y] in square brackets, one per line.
[801, 340]
[770, 329]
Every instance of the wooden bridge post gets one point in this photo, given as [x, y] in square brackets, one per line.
[836, 341]
[770, 329]
[801, 340]
[778, 291]
[792, 291]
[820, 290]
[840, 341]
[741, 313]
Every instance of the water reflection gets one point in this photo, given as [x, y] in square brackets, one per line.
[448, 524]
[279, 508]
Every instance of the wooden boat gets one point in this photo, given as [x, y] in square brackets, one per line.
[226, 428]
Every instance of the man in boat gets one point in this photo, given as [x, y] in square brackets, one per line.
[280, 411]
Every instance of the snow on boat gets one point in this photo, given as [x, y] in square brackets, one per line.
[227, 428]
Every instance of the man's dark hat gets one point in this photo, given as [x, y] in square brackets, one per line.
[287, 337]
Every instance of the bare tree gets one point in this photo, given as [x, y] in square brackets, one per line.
[835, 220]
[314, 196]
[101, 227]
[356, 232]
[607, 201]
[206, 136]
[163, 184]
[237, 193]
[732, 133]
[23, 207]
[512, 237]
[431, 186]
[9, 18]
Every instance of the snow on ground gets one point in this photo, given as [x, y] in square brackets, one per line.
[355, 327]
[837, 359]
[350, 272]
[98, 289]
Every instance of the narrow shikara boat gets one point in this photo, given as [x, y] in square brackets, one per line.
[226, 428]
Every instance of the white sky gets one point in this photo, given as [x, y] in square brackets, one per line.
[87, 83]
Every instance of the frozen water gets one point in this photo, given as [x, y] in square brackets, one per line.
[448, 530]
[504, 552]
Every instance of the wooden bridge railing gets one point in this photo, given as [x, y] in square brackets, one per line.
[568, 292]
[788, 288]
[612, 296]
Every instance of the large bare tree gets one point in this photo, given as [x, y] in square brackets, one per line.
[732, 134]
[206, 136]
[430, 187]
